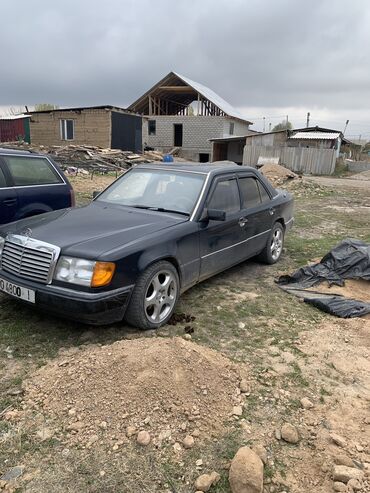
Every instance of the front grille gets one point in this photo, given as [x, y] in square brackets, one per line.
[29, 258]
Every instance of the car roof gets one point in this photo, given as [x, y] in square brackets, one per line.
[218, 167]
[4, 150]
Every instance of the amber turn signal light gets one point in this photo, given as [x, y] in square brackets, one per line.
[103, 273]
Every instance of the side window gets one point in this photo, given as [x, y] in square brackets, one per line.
[249, 192]
[2, 179]
[265, 197]
[67, 129]
[152, 127]
[225, 196]
[32, 171]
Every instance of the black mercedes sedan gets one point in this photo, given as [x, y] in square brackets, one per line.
[155, 232]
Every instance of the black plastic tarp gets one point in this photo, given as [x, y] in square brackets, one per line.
[348, 260]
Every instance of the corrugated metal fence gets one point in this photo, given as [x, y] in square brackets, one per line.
[299, 159]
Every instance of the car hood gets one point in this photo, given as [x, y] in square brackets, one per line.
[93, 230]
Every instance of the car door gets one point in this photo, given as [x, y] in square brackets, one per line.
[39, 186]
[222, 242]
[8, 197]
[257, 214]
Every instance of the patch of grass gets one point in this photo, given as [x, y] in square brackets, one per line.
[324, 392]
[268, 472]
[296, 376]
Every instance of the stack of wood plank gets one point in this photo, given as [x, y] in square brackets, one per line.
[88, 157]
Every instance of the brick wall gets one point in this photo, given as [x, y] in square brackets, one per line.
[92, 127]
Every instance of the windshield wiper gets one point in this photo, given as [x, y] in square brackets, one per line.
[160, 209]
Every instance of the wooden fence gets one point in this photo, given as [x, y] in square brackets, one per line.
[299, 159]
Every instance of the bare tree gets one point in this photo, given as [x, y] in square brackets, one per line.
[46, 107]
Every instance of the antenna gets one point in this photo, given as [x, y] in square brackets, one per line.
[345, 127]
[308, 119]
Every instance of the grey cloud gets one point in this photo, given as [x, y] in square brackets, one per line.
[272, 53]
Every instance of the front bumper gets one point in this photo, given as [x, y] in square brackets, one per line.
[91, 308]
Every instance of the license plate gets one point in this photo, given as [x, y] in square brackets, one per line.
[17, 291]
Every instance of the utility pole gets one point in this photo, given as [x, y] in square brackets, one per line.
[270, 127]
[359, 138]
[308, 119]
[345, 127]
[264, 123]
[287, 121]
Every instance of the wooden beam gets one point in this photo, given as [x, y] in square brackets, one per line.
[183, 89]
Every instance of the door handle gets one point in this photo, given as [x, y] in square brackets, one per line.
[9, 202]
[243, 221]
[272, 211]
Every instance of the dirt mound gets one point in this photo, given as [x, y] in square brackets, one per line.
[277, 174]
[356, 289]
[168, 387]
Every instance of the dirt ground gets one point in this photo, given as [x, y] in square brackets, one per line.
[354, 183]
[240, 358]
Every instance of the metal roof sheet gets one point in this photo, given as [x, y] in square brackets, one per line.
[316, 135]
[213, 97]
[141, 104]
[13, 117]
[82, 108]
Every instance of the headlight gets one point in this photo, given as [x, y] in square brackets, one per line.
[84, 272]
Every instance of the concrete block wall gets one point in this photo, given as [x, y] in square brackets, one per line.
[197, 130]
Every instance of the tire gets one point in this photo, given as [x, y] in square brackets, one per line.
[154, 297]
[274, 246]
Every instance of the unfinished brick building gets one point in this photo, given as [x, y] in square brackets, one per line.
[185, 114]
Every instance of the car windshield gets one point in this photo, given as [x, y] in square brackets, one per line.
[162, 190]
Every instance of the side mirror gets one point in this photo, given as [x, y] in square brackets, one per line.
[95, 194]
[216, 215]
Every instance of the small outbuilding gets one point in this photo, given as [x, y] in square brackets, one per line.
[317, 137]
[103, 126]
[232, 148]
[15, 128]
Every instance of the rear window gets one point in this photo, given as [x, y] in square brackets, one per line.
[265, 197]
[28, 171]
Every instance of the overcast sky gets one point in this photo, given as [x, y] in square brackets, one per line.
[266, 57]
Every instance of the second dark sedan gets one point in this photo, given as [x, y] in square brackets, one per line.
[152, 234]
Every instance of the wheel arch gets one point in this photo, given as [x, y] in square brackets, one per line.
[281, 221]
[169, 258]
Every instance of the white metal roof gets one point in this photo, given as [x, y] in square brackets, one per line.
[213, 97]
[13, 117]
[316, 135]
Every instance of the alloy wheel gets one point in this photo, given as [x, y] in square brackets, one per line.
[160, 296]
[276, 244]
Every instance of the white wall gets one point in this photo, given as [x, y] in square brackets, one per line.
[197, 130]
[240, 128]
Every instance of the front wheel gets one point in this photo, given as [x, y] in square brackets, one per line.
[154, 297]
[274, 246]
